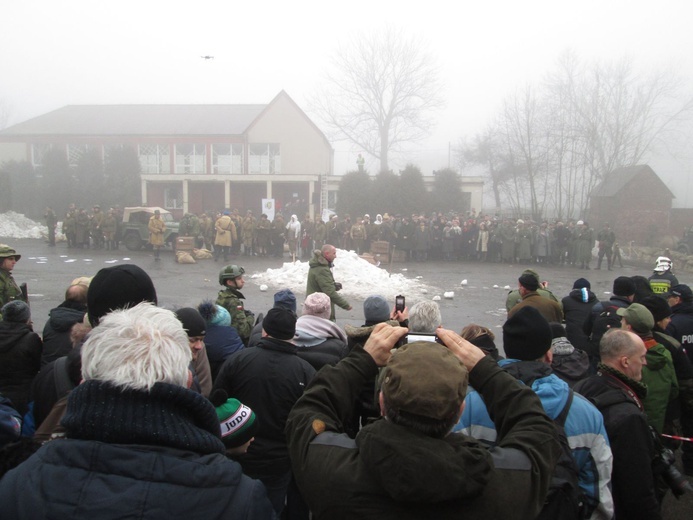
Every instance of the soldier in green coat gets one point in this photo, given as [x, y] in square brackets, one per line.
[9, 290]
[320, 278]
[231, 298]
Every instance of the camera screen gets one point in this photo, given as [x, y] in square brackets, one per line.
[415, 336]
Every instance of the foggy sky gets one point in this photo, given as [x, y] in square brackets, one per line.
[80, 52]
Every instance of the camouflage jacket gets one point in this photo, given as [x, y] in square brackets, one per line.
[232, 301]
[9, 290]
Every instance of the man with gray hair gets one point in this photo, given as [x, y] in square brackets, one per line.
[424, 317]
[139, 443]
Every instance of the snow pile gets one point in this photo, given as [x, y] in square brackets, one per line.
[16, 225]
[359, 279]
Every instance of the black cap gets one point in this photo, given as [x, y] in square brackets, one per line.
[193, 322]
[280, 323]
[526, 335]
[118, 287]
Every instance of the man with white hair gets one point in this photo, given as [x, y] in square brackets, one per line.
[424, 317]
[139, 443]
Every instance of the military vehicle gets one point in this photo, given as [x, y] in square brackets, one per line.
[135, 230]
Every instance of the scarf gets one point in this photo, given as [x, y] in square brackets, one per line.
[313, 326]
[167, 415]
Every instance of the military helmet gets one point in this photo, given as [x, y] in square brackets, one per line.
[6, 252]
[230, 272]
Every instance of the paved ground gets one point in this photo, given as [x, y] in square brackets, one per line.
[48, 271]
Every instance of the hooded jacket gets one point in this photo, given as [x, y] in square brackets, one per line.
[393, 472]
[662, 385]
[320, 279]
[56, 331]
[576, 309]
[584, 428]
[20, 361]
[569, 363]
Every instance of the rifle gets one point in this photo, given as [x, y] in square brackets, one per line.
[25, 292]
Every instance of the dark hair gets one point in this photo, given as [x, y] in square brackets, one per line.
[436, 428]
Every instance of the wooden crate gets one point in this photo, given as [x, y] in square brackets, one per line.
[399, 256]
[380, 247]
[185, 243]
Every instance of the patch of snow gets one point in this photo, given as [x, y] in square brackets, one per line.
[263, 288]
[495, 286]
[436, 298]
[16, 225]
[464, 282]
[449, 295]
[358, 277]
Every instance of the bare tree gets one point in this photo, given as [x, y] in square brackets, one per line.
[380, 93]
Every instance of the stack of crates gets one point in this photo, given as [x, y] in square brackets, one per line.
[380, 251]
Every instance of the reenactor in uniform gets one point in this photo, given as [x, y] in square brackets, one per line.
[70, 227]
[319, 235]
[278, 233]
[156, 233]
[262, 235]
[307, 231]
[225, 236]
[248, 233]
[9, 290]
[606, 239]
[51, 224]
[82, 229]
[109, 228]
[96, 227]
[238, 222]
[207, 230]
[231, 298]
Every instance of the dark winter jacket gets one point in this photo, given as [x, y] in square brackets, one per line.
[632, 478]
[56, 332]
[220, 342]
[20, 360]
[54, 381]
[547, 308]
[268, 378]
[569, 363]
[681, 326]
[577, 306]
[393, 472]
[320, 341]
[134, 454]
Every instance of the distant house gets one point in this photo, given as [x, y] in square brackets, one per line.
[193, 157]
[196, 158]
[635, 202]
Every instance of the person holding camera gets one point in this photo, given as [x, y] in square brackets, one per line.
[618, 392]
[320, 278]
[405, 465]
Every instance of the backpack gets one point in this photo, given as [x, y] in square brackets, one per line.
[565, 500]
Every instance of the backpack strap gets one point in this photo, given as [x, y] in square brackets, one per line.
[564, 413]
[63, 384]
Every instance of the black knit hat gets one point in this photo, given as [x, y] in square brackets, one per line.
[526, 335]
[280, 323]
[624, 286]
[529, 282]
[118, 287]
[658, 306]
[193, 322]
[582, 283]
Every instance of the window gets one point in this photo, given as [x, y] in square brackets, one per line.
[227, 158]
[173, 198]
[155, 158]
[75, 152]
[264, 158]
[190, 158]
[38, 151]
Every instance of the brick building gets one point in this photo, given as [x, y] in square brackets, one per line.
[635, 202]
